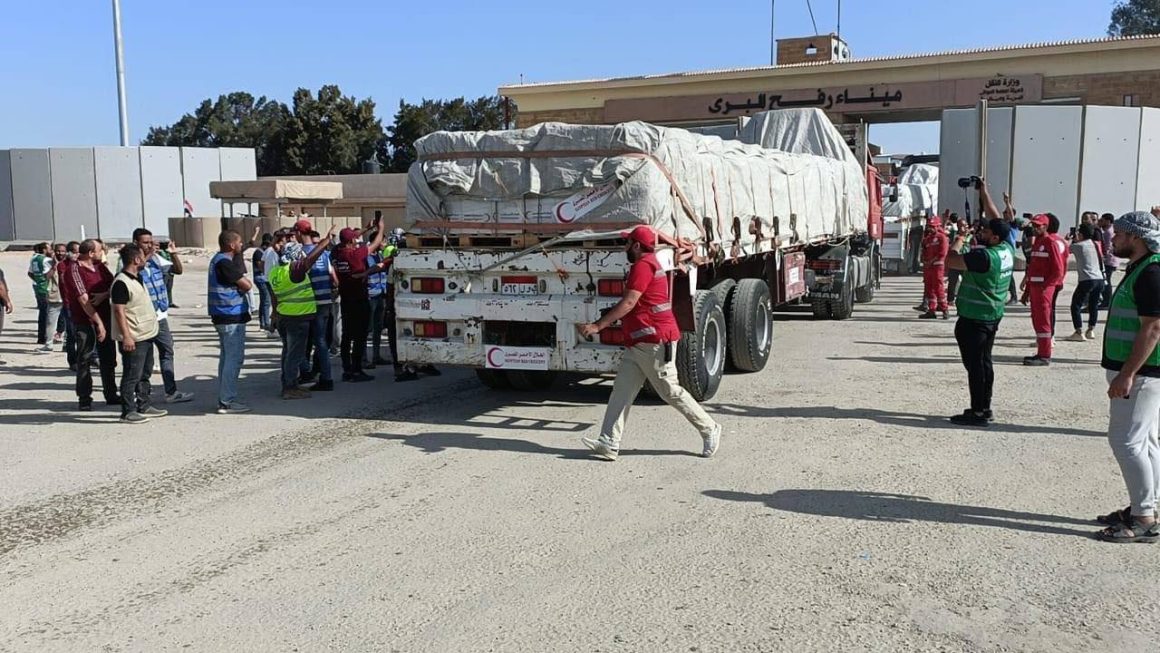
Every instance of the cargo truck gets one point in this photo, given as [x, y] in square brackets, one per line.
[514, 239]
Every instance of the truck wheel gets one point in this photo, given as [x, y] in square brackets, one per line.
[843, 307]
[821, 308]
[494, 379]
[750, 325]
[725, 289]
[700, 356]
[865, 294]
[528, 380]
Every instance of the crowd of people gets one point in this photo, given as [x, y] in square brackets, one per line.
[321, 298]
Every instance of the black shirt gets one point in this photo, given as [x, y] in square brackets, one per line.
[119, 293]
[977, 260]
[229, 272]
[1146, 292]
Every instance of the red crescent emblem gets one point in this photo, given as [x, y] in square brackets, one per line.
[490, 360]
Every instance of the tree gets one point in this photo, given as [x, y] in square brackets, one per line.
[414, 121]
[1135, 18]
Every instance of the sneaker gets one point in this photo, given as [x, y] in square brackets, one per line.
[971, 418]
[179, 398]
[361, 377]
[921, 308]
[929, 315]
[1036, 361]
[134, 418]
[307, 379]
[323, 386]
[601, 448]
[296, 393]
[273, 335]
[44, 349]
[233, 408]
[86, 408]
[712, 442]
[172, 305]
[154, 412]
[1090, 334]
[1075, 337]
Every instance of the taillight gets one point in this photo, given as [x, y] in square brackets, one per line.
[612, 336]
[427, 285]
[430, 329]
[825, 264]
[610, 287]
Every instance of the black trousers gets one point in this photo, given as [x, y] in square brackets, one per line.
[952, 285]
[136, 368]
[976, 340]
[107, 357]
[356, 317]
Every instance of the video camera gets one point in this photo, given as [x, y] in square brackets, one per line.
[974, 181]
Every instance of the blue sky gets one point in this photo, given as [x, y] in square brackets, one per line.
[60, 82]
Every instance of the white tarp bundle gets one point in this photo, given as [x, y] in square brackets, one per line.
[558, 176]
[797, 131]
[917, 193]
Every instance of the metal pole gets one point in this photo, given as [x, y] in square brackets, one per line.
[772, 42]
[839, 20]
[120, 52]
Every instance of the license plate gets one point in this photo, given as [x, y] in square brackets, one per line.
[519, 289]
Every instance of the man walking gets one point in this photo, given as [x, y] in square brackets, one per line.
[1089, 265]
[981, 304]
[350, 262]
[39, 269]
[1045, 273]
[89, 284]
[134, 327]
[651, 331]
[934, 254]
[229, 310]
[294, 311]
[53, 333]
[1131, 357]
[152, 275]
[258, 262]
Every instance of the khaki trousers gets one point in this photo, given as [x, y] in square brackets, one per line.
[646, 362]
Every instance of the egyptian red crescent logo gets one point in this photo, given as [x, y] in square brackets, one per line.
[491, 356]
[560, 217]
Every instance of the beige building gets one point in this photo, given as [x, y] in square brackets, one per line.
[362, 197]
[816, 72]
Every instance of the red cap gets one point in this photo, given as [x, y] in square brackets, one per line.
[347, 235]
[1040, 220]
[643, 235]
[303, 226]
[934, 221]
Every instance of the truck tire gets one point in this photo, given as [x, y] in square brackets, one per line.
[843, 308]
[725, 289]
[494, 379]
[700, 356]
[528, 380]
[820, 308]
[865, 294]
[750, 319]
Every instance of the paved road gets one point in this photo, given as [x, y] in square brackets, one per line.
[842, 512]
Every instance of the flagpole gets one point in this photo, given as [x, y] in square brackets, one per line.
[120, 55]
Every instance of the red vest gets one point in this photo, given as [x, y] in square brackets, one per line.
[652, 319]
[1048, 264]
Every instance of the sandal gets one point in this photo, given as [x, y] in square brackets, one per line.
[1131, 532]
[1115, 517]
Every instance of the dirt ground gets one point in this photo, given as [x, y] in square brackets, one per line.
[843, 512]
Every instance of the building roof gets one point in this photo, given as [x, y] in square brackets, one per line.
[1052, 47]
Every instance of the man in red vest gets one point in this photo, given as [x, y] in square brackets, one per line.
[1043, 281]
[934, 282]
[651, 333]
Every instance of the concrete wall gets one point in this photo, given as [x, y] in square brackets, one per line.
[74, 192]
[1148, 172]
[7, 218]
[199, 166]
[161, 188]
[1046, 160]
[32, 195]
[1111, 142]
[118, 172]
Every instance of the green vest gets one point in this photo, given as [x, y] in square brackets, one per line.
[983, 295]
[294, 299]
[1123, 320]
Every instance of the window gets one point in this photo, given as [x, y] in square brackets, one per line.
[1129, 100]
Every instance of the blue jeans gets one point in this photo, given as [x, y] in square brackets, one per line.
[295, 334]
[321, 349]
[264, 302]
[378, 318]
[232, 340]
[164, 343]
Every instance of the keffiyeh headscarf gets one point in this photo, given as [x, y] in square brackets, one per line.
[1142, 224]
[291, 252]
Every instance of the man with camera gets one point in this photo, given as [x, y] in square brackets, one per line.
[981, 303]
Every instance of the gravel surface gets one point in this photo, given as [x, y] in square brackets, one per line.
[843, 512]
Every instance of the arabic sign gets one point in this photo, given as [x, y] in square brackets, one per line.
[853, 99]
[517, 358]
[583, 203]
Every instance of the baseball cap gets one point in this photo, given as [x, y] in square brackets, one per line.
[643, 235]
[347, 235]
[1040, 220]
[303, 226]
[934, 221]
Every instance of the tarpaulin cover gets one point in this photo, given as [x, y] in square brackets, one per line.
[557, 175]
[917, 193]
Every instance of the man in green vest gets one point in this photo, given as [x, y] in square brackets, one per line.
[1132, 360]
[980, 303]
[293, 311]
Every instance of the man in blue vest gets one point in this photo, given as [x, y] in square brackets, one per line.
[153, 278]
[323, 280]
[1131, 357]
[229, 309]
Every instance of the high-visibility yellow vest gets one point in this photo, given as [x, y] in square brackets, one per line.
[294, 299]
